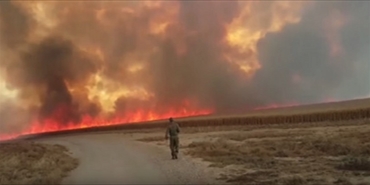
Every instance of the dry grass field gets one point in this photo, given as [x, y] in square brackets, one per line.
[33, 163]
[281, 154]
[314, 144]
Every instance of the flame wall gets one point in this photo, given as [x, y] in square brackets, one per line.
[68, 63]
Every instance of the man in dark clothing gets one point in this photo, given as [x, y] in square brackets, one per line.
[172, 132]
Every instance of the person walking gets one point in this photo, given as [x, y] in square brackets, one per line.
[172, 133]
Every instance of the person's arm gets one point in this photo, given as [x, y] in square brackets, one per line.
[167, 133]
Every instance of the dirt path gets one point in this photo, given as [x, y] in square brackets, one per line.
[111, 159]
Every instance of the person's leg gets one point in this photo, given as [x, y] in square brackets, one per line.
[172, 147]
[176, 146]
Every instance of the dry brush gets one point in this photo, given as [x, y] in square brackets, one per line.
[329, 116]
[268, 119]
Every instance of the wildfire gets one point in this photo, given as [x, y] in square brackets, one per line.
[107, 92]
[70, 65]
[52, 124]
[246, 30]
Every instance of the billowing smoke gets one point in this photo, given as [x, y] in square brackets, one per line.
[324, 56]
[68, 61]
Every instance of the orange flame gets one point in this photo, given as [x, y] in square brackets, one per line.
[51, 124]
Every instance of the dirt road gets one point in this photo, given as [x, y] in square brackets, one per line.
[111, 159]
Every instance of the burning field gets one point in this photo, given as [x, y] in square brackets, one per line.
[68, 65]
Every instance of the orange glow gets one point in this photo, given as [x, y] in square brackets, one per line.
[159, 23]
[135, 68]
[50, 125]
[255, 20]
[297, 79]
[108, 91]
[6, 93]
[333, 24]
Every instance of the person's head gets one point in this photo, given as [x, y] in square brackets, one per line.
[171, 120]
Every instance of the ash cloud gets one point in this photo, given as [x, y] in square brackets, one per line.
[49, 66]
[200, 73]
[43, 67]
[300, 50]
[185, 62]
[14, 32]
[303, 49]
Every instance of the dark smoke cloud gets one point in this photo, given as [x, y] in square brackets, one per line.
[303, 49]
[201, 73]
[168, 75]
[51, 64]
[45, 66]
[185, 63]
[14, 32]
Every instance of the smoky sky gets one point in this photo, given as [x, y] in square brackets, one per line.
[186, 62]
[302, 49]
